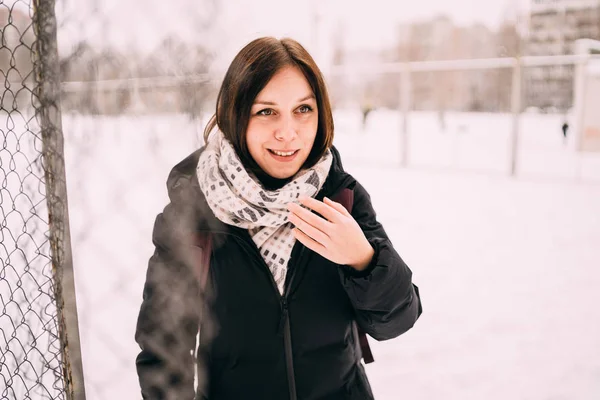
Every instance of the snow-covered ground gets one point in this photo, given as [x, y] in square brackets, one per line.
[509, 269]
[509, 274]
[470, 142]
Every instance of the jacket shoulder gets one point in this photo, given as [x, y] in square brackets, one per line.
[183, 174]
[187, 204]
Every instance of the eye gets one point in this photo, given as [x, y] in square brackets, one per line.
[265, 112]
[305, 109]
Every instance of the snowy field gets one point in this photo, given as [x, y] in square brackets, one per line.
[470, 142]
[509, 269]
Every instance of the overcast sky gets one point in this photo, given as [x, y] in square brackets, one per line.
[372, 23]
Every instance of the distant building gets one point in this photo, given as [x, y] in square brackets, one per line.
[440, 39]
[554, 27]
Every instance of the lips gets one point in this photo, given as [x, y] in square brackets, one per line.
[283, 153]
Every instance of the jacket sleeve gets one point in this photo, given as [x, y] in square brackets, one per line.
[170, 312]
[387, 303]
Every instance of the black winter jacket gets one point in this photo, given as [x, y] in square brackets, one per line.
[262, 345]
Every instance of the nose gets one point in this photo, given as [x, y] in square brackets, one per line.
[286, 131]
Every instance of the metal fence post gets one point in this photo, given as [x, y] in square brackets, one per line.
[49, 117]
[405, 104]
[516, 99]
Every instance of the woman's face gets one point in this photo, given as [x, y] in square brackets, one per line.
[283, 124]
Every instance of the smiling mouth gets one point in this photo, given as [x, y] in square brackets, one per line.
[283, 153]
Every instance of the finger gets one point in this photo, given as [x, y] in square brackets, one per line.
[328, 212]
[308, 229]
[308, 242]
[336, 205]
[311, 218]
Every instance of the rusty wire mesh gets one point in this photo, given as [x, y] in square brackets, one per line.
[30, 349]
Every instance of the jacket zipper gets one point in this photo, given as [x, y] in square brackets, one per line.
[284, 323]
[287, 341]
[287, 334]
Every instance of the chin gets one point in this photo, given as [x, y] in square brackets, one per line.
[282, 170]
[283, 173]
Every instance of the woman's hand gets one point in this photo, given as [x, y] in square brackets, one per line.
[336, 235]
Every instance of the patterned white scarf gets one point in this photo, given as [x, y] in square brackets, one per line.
[237, 198]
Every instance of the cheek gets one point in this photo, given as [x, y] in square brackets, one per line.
[258, 130]
[309, 130]
[253, 140]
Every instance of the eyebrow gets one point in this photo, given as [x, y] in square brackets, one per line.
[270, 103]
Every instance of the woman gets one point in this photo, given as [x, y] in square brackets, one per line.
[292, 273]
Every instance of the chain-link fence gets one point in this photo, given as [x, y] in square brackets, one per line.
[129, 116]
[39, 344]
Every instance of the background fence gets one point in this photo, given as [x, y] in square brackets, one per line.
[129, 116]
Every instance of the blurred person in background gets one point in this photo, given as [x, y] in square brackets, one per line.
[293, 275]
[565, 130]
[366, 109]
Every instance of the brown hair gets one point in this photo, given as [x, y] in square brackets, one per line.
[249, 72]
